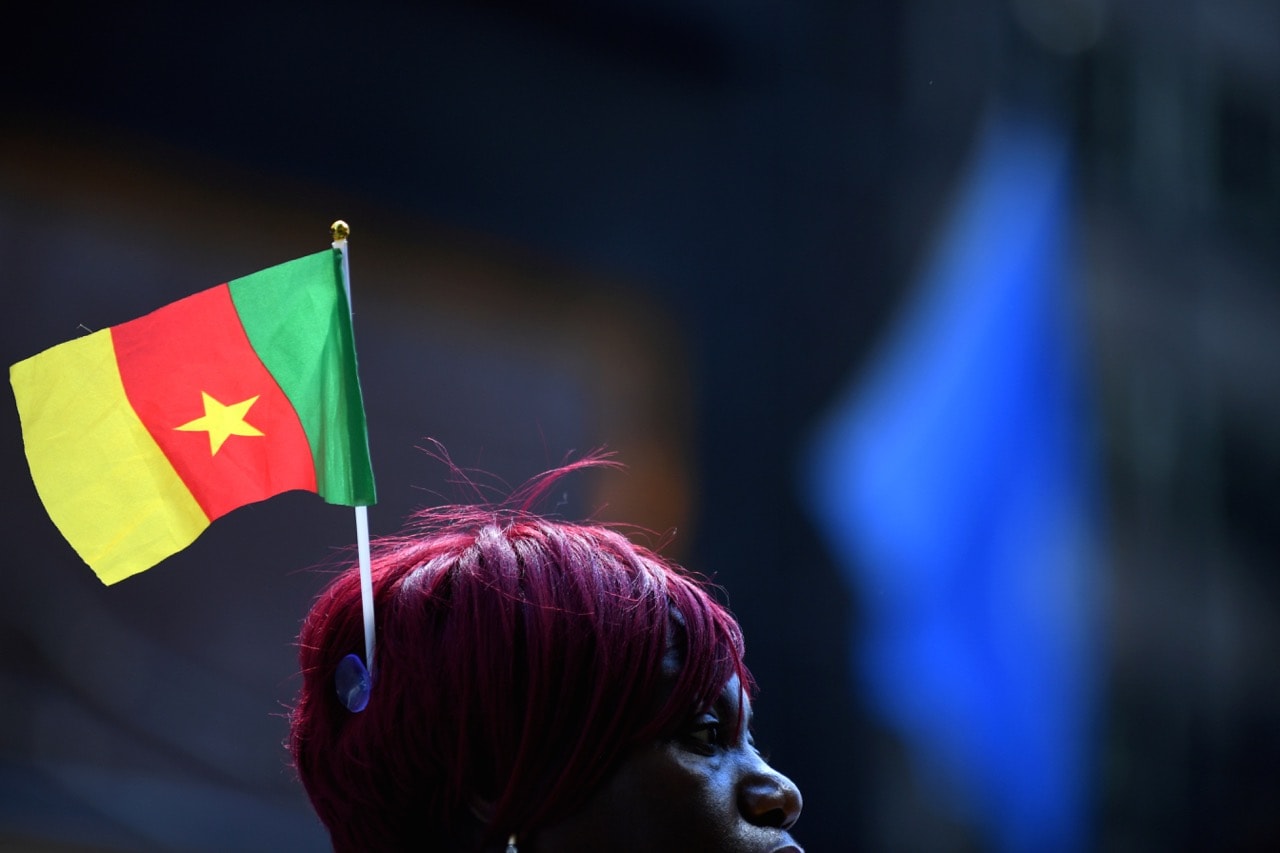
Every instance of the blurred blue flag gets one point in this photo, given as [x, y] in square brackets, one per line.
[954, 484]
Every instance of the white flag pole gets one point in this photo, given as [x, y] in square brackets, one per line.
[366, 581]
[340, 233]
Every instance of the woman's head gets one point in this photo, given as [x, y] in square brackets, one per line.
[520, 663]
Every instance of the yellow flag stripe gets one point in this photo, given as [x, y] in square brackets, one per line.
[102, 478]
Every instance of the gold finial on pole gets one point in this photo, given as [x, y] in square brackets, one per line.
[339, 230]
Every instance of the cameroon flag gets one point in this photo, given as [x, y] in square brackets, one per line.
[141, 434]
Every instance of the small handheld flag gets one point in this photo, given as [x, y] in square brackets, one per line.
[139, 435]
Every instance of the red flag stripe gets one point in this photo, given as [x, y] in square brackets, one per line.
[169, 360]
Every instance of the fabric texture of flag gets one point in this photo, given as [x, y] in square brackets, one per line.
[139, 435]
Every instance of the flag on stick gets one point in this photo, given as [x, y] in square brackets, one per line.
[141, 434]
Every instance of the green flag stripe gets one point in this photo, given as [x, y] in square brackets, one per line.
[296, 317]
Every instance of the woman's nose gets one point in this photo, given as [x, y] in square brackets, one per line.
[767, 798]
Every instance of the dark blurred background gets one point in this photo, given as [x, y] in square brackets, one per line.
[856, 290]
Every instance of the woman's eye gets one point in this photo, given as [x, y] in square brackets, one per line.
[704, 735]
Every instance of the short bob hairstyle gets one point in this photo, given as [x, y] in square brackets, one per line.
[518, 660]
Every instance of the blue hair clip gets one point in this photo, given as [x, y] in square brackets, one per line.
[354, 683]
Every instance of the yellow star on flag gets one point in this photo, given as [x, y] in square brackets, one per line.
[222, 421]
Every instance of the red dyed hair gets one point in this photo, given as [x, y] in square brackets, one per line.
[518, 660]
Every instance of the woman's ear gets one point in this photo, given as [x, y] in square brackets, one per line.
[477, 834]
[482, 810]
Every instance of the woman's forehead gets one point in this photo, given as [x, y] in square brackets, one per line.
[733, 701]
